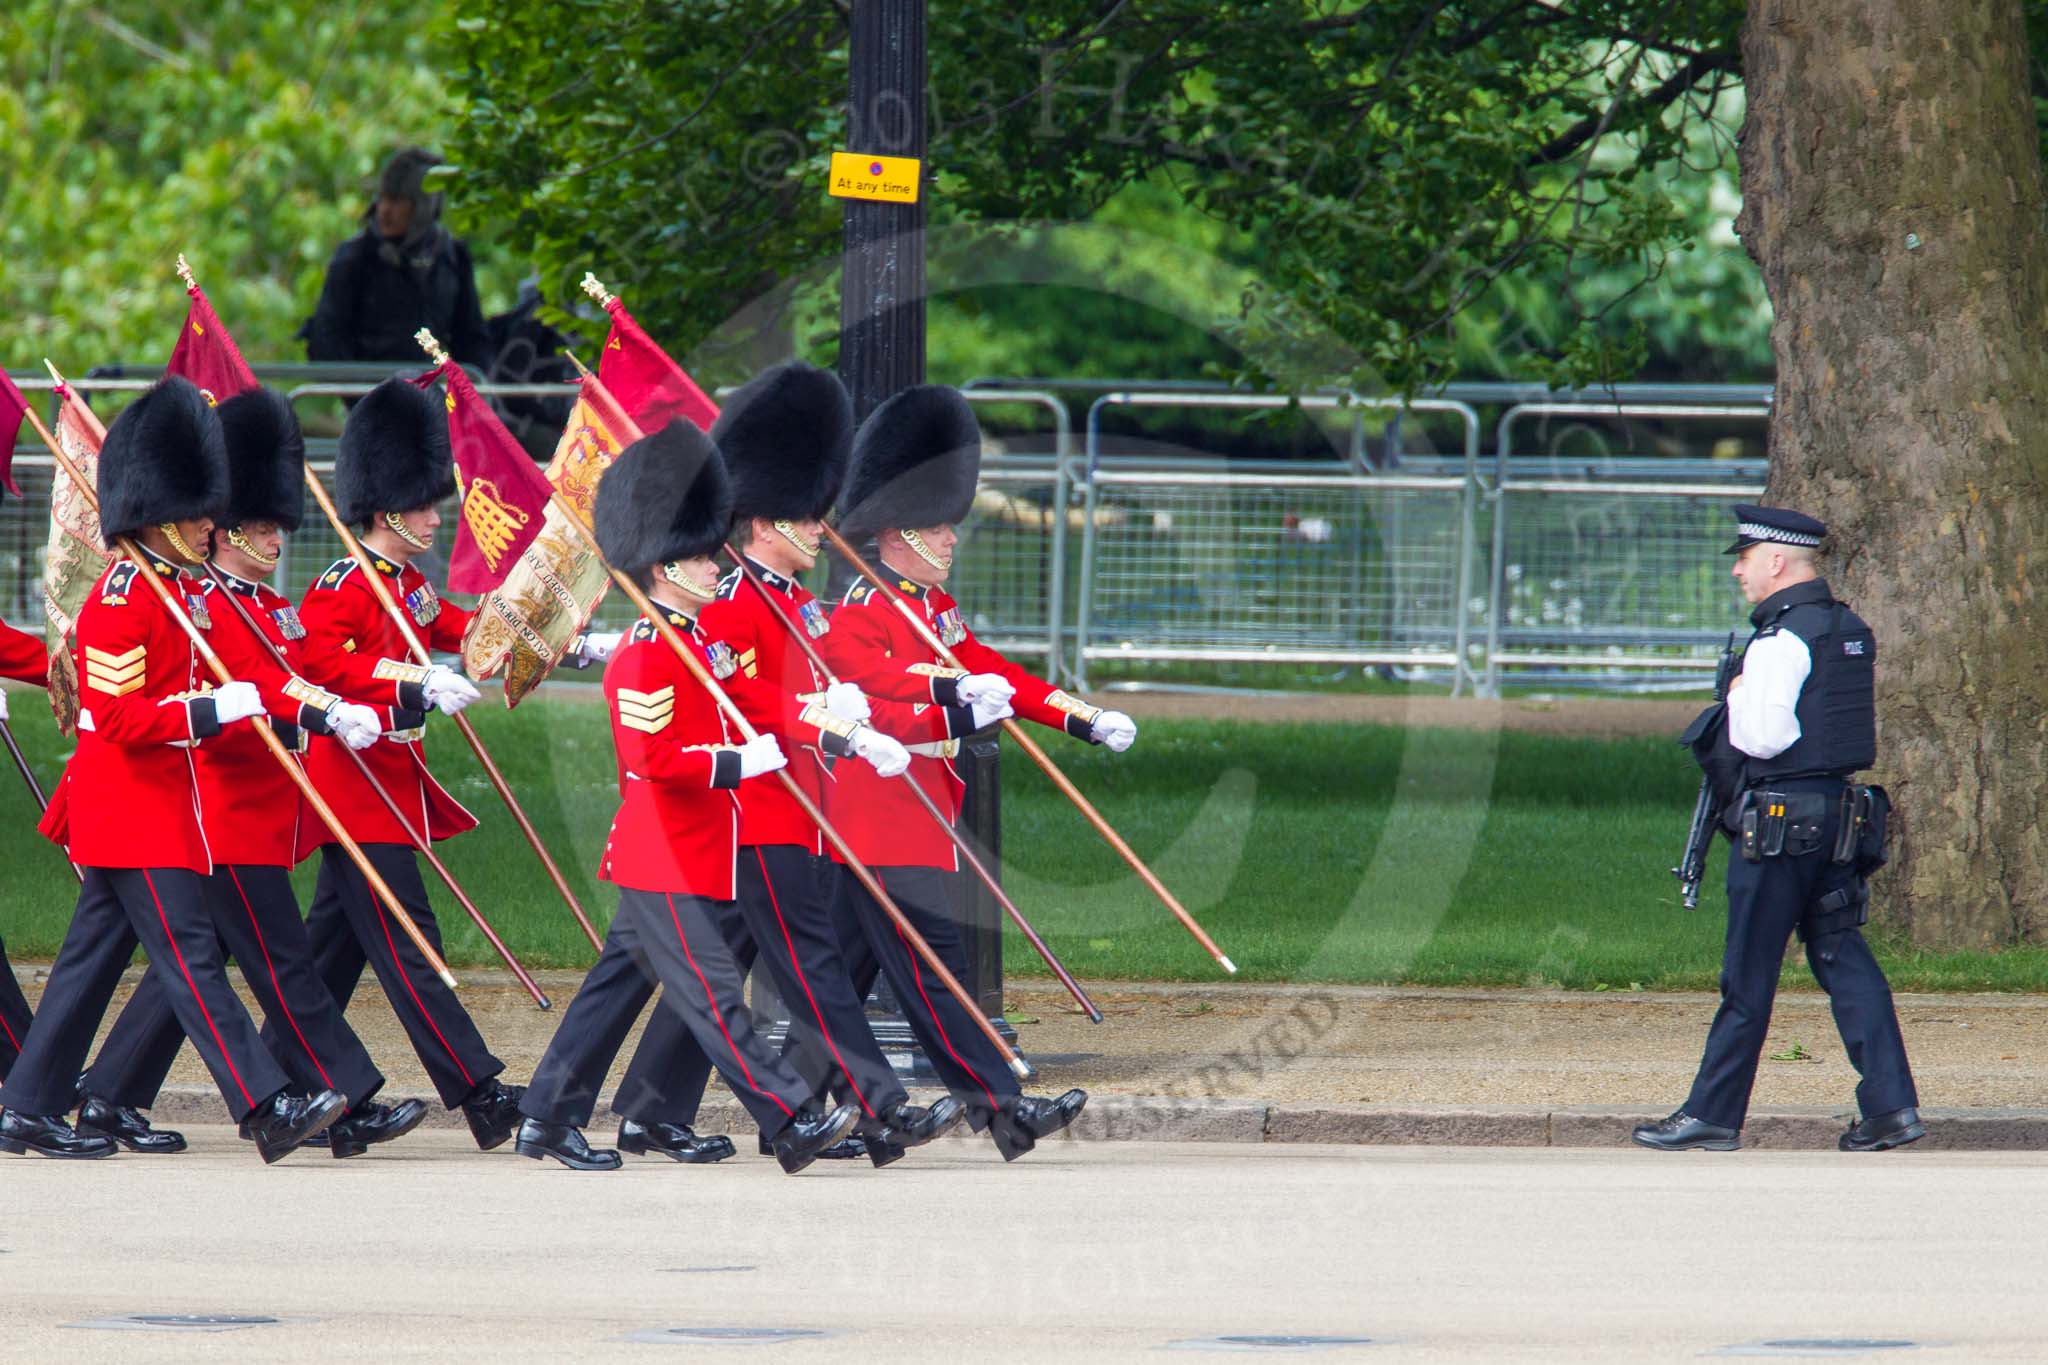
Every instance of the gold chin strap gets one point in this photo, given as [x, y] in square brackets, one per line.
[922, 551]
[787, 530]
[673, 572]
[247, 547]
[404, 532]
[170, 530]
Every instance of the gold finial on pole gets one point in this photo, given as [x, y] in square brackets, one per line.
[595, 288]
[55, 378]
[185, 272]
[581, 368]
[425, 338]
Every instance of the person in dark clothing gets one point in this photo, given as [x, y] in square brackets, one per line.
[402, 272]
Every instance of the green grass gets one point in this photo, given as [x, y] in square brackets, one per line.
[1312, 853]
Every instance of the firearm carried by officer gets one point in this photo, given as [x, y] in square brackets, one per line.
[1706, 809]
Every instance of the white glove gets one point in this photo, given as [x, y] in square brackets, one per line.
[988, 687]
[761, 754]
[1114, 730]
[842, 699]
[355, 726]
[233, 701]
[448, 691]
[987, 713]
[597, 646]
[883, 754]
[3, 705]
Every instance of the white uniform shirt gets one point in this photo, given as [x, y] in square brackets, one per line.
[1762, 713]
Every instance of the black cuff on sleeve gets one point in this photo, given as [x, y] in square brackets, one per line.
[412, 696]
[959, 721]
[725, 768]
[205, 721]
[574, 657]
[403, 718]
[946, 691]
[839, 746]
[311, 719]
[290, 735]
[1082, 728]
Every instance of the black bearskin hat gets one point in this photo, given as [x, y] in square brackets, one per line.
[393, 454]
[266, 460]
[786, 435]
[163, 460]
[915, 463]
[665, 497]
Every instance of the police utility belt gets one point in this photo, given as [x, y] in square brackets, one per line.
[1775, 824]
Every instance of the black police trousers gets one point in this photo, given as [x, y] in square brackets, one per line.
[348, 926]
[165, 910]
[14, 1014]
[257, 917]
[1767, 901]
[673, 941]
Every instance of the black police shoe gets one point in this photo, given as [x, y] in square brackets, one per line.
[676, 1141]
[47, 1135]
[565, 1144]
[97, 1118]
[1023, 1119]
[368, 1124]
[282, 1123]
[896, 1130]
[1884, 1132]
[850, 1148]
[493, 1113]
[1682, 1132]
[804, 1138]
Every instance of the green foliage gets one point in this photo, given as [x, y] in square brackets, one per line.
[245, 133]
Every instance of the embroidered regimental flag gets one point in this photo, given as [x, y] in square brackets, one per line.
[73, 559]
[649, 386]
[504, 495]
[205, 353]
[13, 408]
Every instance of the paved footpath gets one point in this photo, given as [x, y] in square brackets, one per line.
[1368, 1064]
[1080, 1252]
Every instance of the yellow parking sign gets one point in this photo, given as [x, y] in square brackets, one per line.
[891, 179]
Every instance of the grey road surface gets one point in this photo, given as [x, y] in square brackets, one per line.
[429, 1250]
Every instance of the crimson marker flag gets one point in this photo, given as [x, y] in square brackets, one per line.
[651, 387]
[207, 355]
[13, 408]
[504, 494]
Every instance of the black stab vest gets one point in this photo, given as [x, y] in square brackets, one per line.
[1837, 706]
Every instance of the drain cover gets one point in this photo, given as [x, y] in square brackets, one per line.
[1268, 1342]
[1821, 1346]
[179, 1322]
[723, 1336]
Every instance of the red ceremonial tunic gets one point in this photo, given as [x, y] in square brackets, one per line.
[353, 648]
[759, 633]
[872, 645]
[22, 656]
[129, 796]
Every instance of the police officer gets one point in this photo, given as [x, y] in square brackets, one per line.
[1801, 720]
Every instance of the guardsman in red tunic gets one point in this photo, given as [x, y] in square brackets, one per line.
[915, 463]
[127, 808]
[21, 658]
[254, 817]
[785, 438]
[662, 509]
[392, 467]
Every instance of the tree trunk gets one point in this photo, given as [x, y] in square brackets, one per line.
[1892, 194]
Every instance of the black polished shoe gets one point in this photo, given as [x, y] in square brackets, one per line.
[366, 1125]
[1682, 1132]
[804, 1138]
[898, 1129]
[1884, 1132]
[676, 1141]
[1024, 1119]
[565, 1144]
[281, 1125]
[850, 1148]
[97, 1118]
[493, 1113]
[48, 1136]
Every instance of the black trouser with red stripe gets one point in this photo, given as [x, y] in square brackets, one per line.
[257, 918]
[951, 1037]
[14, 1014]
[664, 1083]
[164, 909]
[348, 926]
[672, 940]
